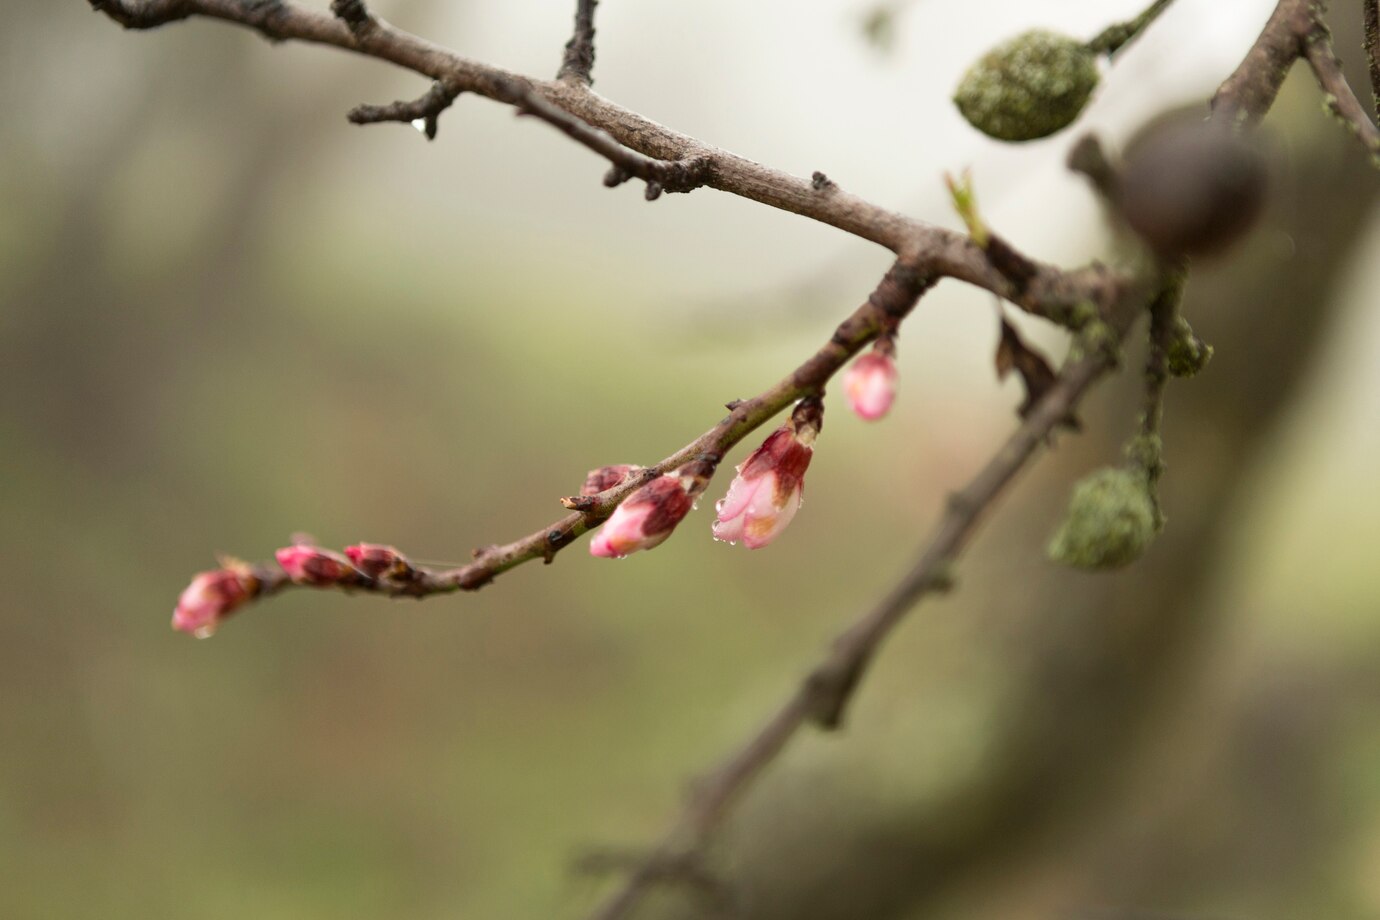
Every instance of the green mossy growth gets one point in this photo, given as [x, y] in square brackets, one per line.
[1030, 87]
[1110, 521]
[1095, 337]
[1187, 354]
[1144, 452]
[1073, 316]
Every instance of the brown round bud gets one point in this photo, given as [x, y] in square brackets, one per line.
[1191, 188]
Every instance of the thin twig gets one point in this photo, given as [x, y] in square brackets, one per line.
[1113, 39]
[1340, 98]
[1371, 12]
[1246, 95]
[1164, 313]
[426, 108]
[892, 300]
[579, 51]
[937, 251]
[661, 175]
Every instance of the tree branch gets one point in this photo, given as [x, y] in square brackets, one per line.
[426, 109]
[1371, 12]
[1111, 40]
[1341, 101]
[1296, 30]
[892, 300]
[1248, 93]
[660, 175]
[935, 251]
[579, 51]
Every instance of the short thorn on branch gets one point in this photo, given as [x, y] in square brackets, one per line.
[146, 14]
[422, 113]
[355, 15]
[660, 175]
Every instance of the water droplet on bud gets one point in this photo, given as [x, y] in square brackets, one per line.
[419, 124]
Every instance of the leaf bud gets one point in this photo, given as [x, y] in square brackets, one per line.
[1029, 87]
[1109, 523]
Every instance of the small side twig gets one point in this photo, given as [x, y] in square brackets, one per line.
[426, 109]
[1115, 38]
[355, 15]
[660, 175]
[1371, 12]
[578, 62]
[148, 14]
[1164, 314]
[1340, 99]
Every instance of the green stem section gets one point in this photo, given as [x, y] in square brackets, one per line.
[1115, 37]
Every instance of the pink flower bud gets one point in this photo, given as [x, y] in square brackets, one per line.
[377, 560]
[211, 597]
[766, 493]
[645, 518]
[606, 477]
[312, 565]
[871, 385]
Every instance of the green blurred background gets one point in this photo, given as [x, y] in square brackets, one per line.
[227, 315]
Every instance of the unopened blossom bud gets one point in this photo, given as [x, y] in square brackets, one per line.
[378, 561]
[606, 477]
[312, 565]
[211, 597]
[871, 384]
[646, 517]
[766, 493]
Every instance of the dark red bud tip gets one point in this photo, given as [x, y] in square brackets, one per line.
[606, 477]
[808, 418]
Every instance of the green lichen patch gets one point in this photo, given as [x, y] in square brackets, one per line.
[1187, 354]
[1110, 521]
[1029, 87]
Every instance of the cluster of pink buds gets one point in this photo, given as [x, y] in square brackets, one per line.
[308, 564]
[646, 517]
[871, 382]
[213, 596]
[766, 493]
